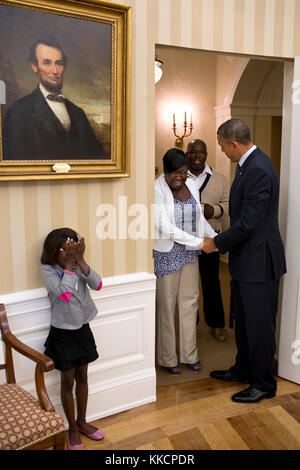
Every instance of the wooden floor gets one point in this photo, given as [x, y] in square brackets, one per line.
[200, 415]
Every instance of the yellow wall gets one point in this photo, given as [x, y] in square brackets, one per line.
[188, 82]
[30, 210]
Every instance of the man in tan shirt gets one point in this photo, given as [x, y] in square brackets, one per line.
[214, 196]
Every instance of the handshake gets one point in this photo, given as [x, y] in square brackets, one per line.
[208, 245]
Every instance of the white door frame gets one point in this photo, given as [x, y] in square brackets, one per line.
[288, 330]
[289, 211]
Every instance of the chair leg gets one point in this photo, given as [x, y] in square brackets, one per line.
[59, 441]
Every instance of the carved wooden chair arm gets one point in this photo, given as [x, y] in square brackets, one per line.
[43, 362]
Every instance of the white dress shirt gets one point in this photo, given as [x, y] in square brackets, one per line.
[246, 155]
[59, 109]
[199, 180]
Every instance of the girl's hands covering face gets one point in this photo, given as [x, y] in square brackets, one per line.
[67, 255]
[80, 248]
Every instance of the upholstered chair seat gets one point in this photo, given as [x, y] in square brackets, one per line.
[22, 421]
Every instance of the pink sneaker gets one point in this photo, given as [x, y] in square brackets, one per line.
[97, 435]
[73, 446]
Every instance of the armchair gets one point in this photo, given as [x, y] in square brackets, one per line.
[26, 422]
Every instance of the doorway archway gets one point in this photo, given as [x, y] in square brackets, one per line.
[253, 89]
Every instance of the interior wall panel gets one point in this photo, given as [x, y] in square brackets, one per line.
[240, 26]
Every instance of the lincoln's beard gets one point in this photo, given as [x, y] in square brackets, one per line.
[54, 87]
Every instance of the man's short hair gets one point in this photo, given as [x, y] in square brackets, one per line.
[50, 41]
[197, 141]
[235, 129]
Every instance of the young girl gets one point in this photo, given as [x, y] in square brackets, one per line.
[70, 342]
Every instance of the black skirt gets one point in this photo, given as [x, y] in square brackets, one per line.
[71, 348]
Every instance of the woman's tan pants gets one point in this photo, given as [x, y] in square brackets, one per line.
[181, 287]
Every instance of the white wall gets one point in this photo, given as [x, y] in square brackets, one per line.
[124, 375]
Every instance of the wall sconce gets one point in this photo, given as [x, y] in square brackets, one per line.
[179, 140]
[158, 70]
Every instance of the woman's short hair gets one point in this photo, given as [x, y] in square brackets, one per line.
[235, 129]
[174, 159]
[53, 242]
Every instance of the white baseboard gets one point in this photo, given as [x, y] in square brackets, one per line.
[124, 375]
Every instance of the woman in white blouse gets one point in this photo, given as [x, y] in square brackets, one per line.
[180, 228]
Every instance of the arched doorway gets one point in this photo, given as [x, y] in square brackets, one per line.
[253, 91]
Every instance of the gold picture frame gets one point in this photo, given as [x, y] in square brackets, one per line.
[89, 53]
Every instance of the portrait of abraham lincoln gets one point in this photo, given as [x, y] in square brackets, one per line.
[57, 75]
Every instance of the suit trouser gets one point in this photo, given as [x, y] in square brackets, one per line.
[255, 308]
[211, 289]
[181, 287]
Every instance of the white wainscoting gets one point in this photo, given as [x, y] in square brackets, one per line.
[124, 375]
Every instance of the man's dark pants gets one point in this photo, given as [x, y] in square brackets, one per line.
[255, 309]
[211, 289]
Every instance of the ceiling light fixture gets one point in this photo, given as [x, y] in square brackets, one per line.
[158, 70]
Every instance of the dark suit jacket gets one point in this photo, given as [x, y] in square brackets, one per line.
[31, 131]
[256, 252]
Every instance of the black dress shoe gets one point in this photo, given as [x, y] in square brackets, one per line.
[251, 395]
[227, 375]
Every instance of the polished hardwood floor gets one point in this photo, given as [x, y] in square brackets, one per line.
[200, 415]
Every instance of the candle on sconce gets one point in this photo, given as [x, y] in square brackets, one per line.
[187, 128]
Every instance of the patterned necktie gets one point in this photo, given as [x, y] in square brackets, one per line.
[58, 98]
